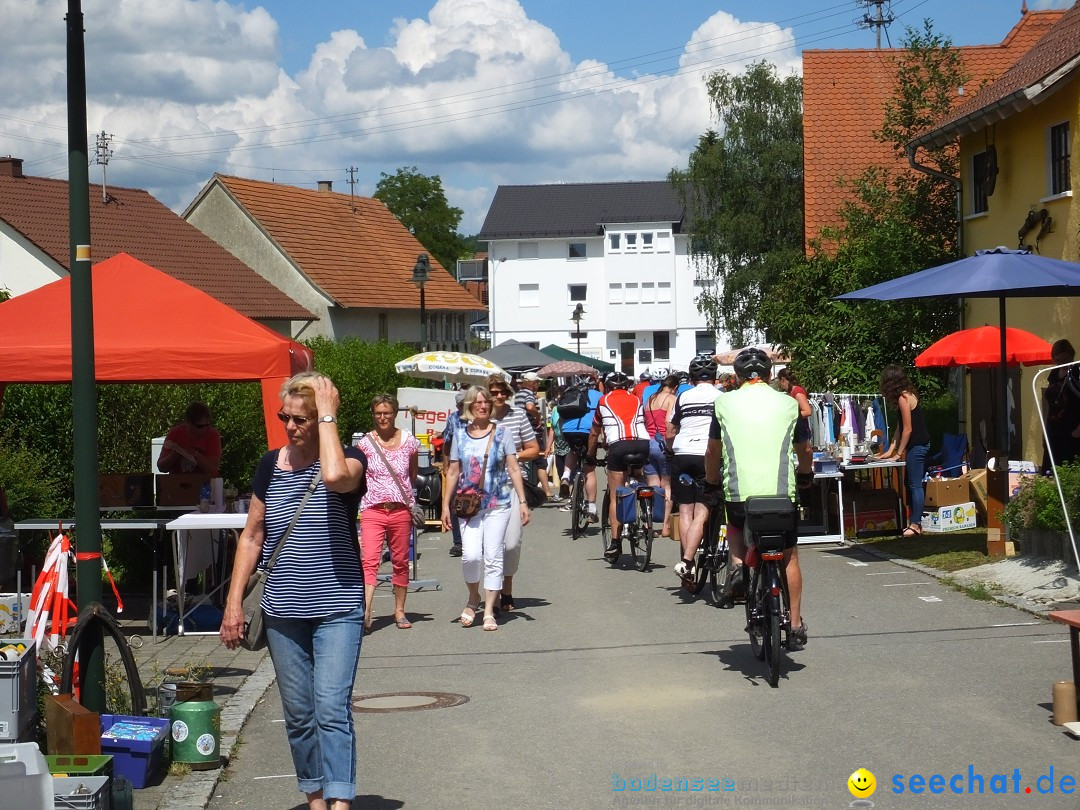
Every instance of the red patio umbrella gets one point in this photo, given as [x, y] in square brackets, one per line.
[981, 348]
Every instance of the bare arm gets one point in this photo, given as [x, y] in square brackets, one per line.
[713, 459]
[248, 551]
[804, 405]
[340, 474]
[453, 470]
[514, 469]
[899, 442]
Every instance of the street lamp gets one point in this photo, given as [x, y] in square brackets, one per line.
[579, 313]
[419, 278]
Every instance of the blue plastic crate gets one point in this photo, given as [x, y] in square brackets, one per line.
[137, 745]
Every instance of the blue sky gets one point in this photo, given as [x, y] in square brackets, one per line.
[479, 92]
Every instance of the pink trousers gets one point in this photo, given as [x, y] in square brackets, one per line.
[396, 527]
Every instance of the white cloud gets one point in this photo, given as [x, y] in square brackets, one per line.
[476, 92]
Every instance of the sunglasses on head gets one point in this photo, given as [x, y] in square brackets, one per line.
[299, 421]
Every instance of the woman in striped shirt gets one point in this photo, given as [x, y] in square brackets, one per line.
[314, 597]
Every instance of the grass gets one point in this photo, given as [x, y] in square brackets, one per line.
[950, 552]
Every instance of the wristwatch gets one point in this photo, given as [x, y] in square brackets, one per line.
[328, 418]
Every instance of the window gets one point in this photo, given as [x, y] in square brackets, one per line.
[704, 342]
[614, 242]
[533, 344]
[647, 242]
[663, 241]
[1059, 159]
[579, 335]
[631, 243]
[575, 250]
[661, 342]
[663, 292]
[614, 293]
[627, 335]
[644, 355]
[384, 326]
[528, 250]
[528, 295]
[980, 165]
[577, 292]
[632, 296]
[648, 292]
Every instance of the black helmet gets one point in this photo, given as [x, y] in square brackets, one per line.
[751, 363]
[703, 367]
[616, 379]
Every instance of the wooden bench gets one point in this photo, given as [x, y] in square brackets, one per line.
[1072, 619]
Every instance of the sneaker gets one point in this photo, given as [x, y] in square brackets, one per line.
[797, 635]
[455, 551]
[564, 489]
[613, 551]
[593, 517]
[567, 508]
[686, 571]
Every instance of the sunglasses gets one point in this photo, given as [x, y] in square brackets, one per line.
[499, 393]
[299, 421]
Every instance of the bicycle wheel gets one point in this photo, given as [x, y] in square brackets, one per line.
[754, 617]
[772, 638]
[577, 504]
[605, 528]
[716, 565]
[641, 535]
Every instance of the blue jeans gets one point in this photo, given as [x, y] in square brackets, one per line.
[916, 469]
[315, 661]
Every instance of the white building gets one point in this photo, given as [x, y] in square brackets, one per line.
[615, 248]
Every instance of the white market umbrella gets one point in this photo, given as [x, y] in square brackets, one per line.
[455, 367]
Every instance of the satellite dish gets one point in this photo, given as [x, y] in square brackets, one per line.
[989, 182]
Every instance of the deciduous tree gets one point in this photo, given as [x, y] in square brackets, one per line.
[420, 203]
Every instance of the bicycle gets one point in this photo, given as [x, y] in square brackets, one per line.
[768, 617]
[639, 530]
[579, 513]
[711, 558]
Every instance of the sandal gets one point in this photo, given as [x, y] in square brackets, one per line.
[490, 623]
[506, 601]
[912, 531]
[402, 622]
[468, 615]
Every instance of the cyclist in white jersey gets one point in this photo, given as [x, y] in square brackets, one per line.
[688, 438]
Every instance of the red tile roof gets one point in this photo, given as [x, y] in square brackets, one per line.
[362, 258]
[1053, 57]
[844, 95]
[134, 222]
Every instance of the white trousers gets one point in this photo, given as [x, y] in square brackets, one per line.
[482, 546]
[514, 538]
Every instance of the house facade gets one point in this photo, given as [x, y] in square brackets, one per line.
[1016, 183]
[35, 248]
[617, 251]
[348, 259]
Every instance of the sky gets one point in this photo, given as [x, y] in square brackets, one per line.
[481, 93]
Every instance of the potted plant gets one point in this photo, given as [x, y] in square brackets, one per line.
[1034, 517]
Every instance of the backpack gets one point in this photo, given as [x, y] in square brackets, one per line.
[574, 402]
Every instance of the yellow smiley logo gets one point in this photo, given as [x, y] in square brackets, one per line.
[862, 784]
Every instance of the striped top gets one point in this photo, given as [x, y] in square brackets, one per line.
[318, 572]
[517, 422]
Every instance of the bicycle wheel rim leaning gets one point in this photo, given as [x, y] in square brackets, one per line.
[605, 528]
[577, 505]
[641, 535]
[716, 571]
[772, 639]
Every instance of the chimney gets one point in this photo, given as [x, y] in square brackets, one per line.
[326, 185]
[11, 167]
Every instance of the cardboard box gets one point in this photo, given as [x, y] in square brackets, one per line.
[126, 489]
[180, 489]
[980, 480]
[950, 518]
[877, 520]
[13, 612]
[947, 492]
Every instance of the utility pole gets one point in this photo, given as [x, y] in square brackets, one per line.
[102, 153]
[882, 17]
[352, 181]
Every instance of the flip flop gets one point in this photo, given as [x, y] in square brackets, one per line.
[911, 531]
[402, 623]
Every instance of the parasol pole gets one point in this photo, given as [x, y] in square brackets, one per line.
[1004, 385]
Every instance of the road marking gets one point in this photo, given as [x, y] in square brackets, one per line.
[858, 564]
[1053, 641]
[899, 584]
[276, 776]
[893, 573]
[930, 598]
[1015, 624]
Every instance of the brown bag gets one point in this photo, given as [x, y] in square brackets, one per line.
[466, 504]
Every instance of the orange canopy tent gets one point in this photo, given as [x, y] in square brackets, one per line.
[148, 327]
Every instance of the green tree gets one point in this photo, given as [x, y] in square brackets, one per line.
[743, 188]
[421, 205]
[899, 222]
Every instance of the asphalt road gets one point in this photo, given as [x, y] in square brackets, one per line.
[606, 680]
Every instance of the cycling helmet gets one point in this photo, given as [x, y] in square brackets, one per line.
[616, 379]
[684, 377]
[643, 377]
[582, 381]
[703, 367]
[659, 375]
[751, 363]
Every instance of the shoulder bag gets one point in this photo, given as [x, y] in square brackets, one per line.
[419, 518]
[467, 504]
[254, 637]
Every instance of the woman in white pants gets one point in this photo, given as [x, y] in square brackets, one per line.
[483, 460]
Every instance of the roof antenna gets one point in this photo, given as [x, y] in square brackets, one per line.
[352, 181]
[102, 153]
[882, 19]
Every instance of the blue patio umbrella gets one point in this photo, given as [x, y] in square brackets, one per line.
[998, 273]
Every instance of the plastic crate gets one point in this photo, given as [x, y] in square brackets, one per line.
[18, 689]
[79, 764]
[138, 759]
[24, 777]
[82, 793]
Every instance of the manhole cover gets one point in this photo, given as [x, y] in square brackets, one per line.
[406, 701]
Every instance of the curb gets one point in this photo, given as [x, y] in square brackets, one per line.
[1012, 600]
[196, 788]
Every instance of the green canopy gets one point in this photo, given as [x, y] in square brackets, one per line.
[559, 353]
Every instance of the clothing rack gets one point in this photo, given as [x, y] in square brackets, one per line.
[819, 398]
